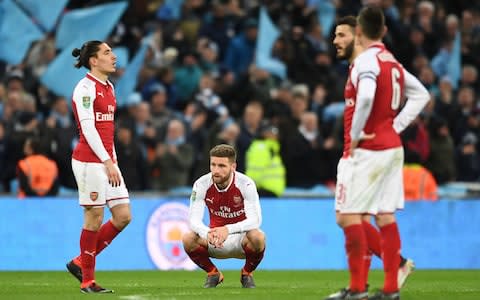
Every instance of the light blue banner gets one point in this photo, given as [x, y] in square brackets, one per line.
[45, 12]
[267, 35]
[93, 23]
[301, 234]
[17, 32]
[61, 76]
[127, 83]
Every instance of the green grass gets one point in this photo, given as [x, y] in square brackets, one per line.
[278, 285]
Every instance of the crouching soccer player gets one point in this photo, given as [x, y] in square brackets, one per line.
[233, 205]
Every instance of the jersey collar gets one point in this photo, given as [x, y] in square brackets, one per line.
[91, 76]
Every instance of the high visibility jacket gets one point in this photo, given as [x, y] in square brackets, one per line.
[41, 173]
[419, 183]
[265, 166]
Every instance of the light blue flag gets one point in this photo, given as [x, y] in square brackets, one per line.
[17, 32]
[326, 13]
[45, 12]
[86, 24]
[61, 76]
[122, 56]
[454, 64]
[267, 36]
[127, 83]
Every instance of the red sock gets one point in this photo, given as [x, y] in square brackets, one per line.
[88, 244]
[373, 238]
[367, 260]
[356, 248]
[252, 259]
[201, 258]
[391, 256]
[105, 235]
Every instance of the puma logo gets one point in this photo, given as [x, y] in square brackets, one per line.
[100, 94]
[92, 254]
[209, 200]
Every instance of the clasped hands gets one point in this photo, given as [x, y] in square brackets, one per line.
[217, 236]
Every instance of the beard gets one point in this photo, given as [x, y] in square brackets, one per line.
[348, 52]
[221, 181]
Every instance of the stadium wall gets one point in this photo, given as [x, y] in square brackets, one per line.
[42, 234]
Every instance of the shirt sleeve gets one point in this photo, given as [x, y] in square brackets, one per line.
[367, 70]
[417, 97]
[253, 211]
[196, 211]
[84, 98]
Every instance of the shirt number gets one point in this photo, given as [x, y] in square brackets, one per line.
[396, 91]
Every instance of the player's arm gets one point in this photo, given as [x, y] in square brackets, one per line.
[367, 69]
[196, 211]
[86, 119]
[417, 97]
[253, 212]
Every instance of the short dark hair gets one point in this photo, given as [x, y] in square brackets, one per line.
[87, 50]
[348, 20]
[372, 22]
[224, 150]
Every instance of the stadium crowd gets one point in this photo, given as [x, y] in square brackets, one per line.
[199, 86]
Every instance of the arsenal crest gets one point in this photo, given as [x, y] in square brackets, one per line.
[93, 196]
[237, 199]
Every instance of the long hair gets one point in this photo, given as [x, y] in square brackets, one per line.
[87, 50]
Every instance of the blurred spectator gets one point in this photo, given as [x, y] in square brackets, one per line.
[305, 156]
[241, 49]
[207, 98]
[173, 158]
[131, 159]
[264, 163]
[418, 183]
[249, 129]
[160, 112]
[61, 135]
[416, 142]
[187, 77]
[37, 174]
[441, 161]
[468, 158]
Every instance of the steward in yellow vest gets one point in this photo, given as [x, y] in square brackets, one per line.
[264, 163]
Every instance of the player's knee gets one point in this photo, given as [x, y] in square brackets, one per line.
[190, 241]
[256, 240]
[384, 219]
[121, 221]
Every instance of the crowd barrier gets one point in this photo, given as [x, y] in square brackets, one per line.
[43, 234]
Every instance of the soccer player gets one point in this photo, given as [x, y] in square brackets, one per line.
[232, 201]
[369, 180]
[94, 162]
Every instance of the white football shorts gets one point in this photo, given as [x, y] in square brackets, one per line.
[93, 186]
[232, 247]
[370, 182]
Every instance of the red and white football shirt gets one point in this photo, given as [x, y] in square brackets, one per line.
[237, 207]
[94, 100]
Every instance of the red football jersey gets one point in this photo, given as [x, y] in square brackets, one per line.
[389, 74]
[95, 100]
[237, 206]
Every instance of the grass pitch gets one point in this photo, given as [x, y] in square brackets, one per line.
[275, 285]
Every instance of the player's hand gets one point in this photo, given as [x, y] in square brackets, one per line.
[363, 137]
[112, 173]
[220, 234]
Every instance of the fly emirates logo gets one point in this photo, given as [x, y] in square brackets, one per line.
[110, 116]
[225, 212]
